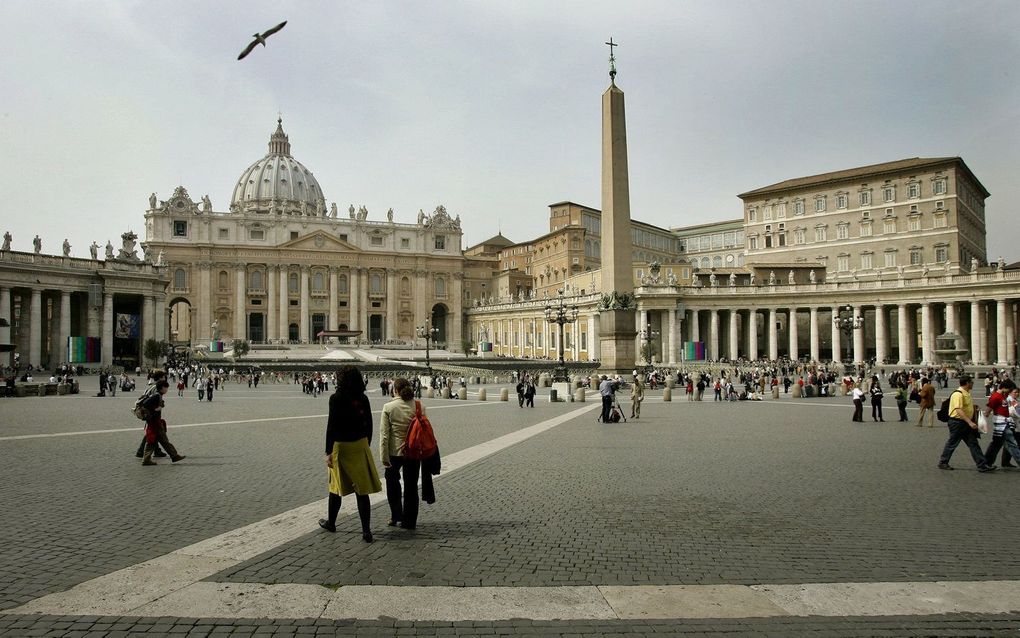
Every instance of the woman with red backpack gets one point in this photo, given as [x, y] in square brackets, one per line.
[393, 426]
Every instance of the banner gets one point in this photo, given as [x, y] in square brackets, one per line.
[126, 327]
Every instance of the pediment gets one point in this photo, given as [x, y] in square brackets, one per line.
[319, 240]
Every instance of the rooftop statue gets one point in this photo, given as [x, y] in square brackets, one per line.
[389, 215]
[7, 241]
[67, 248]
[37, 244]
[152, 201]
[161, 258]
[790, 278]
[772, 278]
[94, 250]
[206, 204]
[811, 276]
[109, 249]
[350, 211]
[733, 280]
[421, 217]
[127, 250]
[332, 210]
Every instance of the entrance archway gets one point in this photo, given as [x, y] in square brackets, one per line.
[439, 317]
[292, 332]
[180, 321]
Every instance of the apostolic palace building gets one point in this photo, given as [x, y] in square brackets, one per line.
[902, 243]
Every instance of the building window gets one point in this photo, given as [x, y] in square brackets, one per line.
[318, 282]
[440, 287]
[840, 201]
[914, 190]
[180, 229]
[222, 280]
[375, 283]
[914, 222]
[820, 204]
[940, 220]
[798, 207]
[781, 211]
[941, 254]
[440, 243]
[939, 187]
[343, 237]
[890, 259]
[257, 234]
[819, 233]
[376, 240]
[752, 215]
[866, 262]
[916, 256]
[405, 243]
[889, 193]
[180, 279]
[222, 233]
[752, 243]
[866, 229]
[256, 280]
[292, 283]
[864, 198]
[800, 236]
[341, 284]
[843, 231]
[843, 263]
[767, 213]
[889, 226]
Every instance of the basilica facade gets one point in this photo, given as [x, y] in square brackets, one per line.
[279, 266]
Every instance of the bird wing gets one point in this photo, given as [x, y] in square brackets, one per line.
[247, 49]
[274, 29]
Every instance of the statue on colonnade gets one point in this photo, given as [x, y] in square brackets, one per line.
[37, 244]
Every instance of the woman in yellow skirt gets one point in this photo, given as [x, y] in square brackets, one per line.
[348, 456]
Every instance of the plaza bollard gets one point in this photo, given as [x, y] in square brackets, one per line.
[832, 389]
[670, 382]
[504, 394]
[552, 396]
[481, 394]
[462, 394]
[775, 392]
[797, 390]
[667, 393]
[579, 395]
[843, 391]
[446, 392]
[430, 393]
[544, 380]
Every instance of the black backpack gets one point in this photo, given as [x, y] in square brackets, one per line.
[943, 413]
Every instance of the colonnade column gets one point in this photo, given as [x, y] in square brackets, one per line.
[926, 355]
[334, 322]
[881, 335]
[837, 346]
[303, 336]
[773, 333]
[903, 334]
[240, 331]
[148, 318]
[794, 337]
[734, 335]
[284, 308]
[65, 327]
[713, 334]
[671, 359]
[695, 326]
[815, 354]
[204, 303]
[107, 328]
[364, 304]
[982, 332]
[950, 316]
[354, 296]
[752, 335]
[858, 337]
[272, 313]
[1001, 340]
[161, 311]
[594, 346]
[35, 329]
[5, 332]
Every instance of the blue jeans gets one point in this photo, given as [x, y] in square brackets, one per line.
[961, 431]
[1008, 437]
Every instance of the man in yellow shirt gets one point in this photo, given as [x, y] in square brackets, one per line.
[963, 428]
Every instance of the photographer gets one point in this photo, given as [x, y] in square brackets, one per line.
[607, 389]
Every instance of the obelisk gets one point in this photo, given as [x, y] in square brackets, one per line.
[616, 323]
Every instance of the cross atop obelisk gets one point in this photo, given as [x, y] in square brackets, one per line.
[612, 59]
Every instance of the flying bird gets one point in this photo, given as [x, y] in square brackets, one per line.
[260, 39]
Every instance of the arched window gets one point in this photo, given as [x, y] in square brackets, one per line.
[717, 262]
[440, 287]
[223, 280]
[375, 283]
[318, 282]
[705, 263]
[256, 280]
[342, 284]
[292, 283]
[180, 279]
[405, 286]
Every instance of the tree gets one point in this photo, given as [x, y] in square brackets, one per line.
[648, 351]
[241, 348]
[153, 349]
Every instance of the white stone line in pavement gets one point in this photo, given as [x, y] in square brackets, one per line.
[119, 592]
[21, 437]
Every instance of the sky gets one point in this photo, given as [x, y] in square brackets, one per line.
[492, 109]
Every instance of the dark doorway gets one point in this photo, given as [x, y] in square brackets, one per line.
[256, 327]
[375, 328]
[318, 325]
[292, 332]
[439, 321]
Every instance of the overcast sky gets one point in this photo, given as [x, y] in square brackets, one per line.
[492, 109]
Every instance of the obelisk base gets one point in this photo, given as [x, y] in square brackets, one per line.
[616, 339]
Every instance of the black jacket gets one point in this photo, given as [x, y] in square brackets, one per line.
[350, 419]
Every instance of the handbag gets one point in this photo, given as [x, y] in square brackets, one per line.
[982, 423]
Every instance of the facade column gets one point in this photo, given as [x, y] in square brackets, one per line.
[858, 337]
[713, 334]
[695, 325]
[671, 358]
[903, 334]
[161, 312]
[815, 352]
[881, 335]
[303, 336]
[926, 354]
[594, 344]
[773, 333]
[364, 305]
[456, 327]
[107, 341]
[752, 335]
[391, 308]
[148, 318]
[35, 329]
[794, 354]
[975, 331]
[5, 332]
[354, 296]
[272, 299]
[734, 335]
[334, 322]
[950, 316]
[204, 301]
[1001, 340]
[65, 327]
[837, 345]
[240, 329]
[284, 308]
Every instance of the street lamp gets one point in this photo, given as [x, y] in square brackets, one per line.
[428, 333]
[561, 314]
[846, 323]
[647, 336]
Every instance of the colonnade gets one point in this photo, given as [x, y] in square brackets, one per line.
[531, 335]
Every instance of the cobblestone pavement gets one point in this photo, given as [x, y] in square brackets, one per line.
[956, 626]
[692, 493]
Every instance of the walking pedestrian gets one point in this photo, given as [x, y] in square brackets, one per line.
[876, 399]
[858, 398]
[348, 455]
[1003, 432]
[155, 426]
[156, 375]
[637, 395]
[963, 428]
[529, 393]
[927, 394]
[901, 400]
[396, 418]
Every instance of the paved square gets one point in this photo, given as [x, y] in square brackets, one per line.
[710, 496]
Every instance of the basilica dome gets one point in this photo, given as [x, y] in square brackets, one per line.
[278, 183]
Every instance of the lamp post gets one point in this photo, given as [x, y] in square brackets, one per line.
[428, 333]
[647, 336]
[846, 323]
[561, 314]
